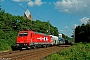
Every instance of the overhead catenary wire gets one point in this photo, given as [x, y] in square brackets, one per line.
[68, 30]
[24, 9]
[0, 3]
[16, 4]
[31, 13]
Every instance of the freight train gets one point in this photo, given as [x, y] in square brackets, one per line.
[29, 39]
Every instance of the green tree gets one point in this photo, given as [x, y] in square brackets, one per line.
[82, 33]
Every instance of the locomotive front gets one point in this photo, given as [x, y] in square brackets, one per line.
[22, 39]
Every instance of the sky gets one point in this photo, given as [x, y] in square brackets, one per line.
[63, 14]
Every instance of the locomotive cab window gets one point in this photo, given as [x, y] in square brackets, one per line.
[23, 34]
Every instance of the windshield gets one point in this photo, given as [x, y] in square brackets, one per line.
[23, 34]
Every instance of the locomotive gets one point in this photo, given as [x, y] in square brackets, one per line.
[28, 39]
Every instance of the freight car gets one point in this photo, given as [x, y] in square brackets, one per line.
[30, 39]
[63, 41]
[55, 40]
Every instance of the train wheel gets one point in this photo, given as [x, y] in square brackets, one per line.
[34, 47]
[28, 48]
[45, 46]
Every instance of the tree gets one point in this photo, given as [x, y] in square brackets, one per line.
[82, 33]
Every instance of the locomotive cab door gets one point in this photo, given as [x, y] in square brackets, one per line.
[31, 39]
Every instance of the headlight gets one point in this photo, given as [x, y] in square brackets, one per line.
[17, 44]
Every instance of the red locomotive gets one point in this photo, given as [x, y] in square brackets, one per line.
[30, 39]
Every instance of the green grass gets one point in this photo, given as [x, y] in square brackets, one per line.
[79, 51]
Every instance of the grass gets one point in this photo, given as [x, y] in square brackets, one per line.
[80, 51]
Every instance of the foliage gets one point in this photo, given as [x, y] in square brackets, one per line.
[10, 25]
[78, 52]
[82, 33]
[66, 37]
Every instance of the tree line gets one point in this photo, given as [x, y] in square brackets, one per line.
[82, 33]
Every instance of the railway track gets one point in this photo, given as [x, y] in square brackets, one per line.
[9, 52]
[35, 54]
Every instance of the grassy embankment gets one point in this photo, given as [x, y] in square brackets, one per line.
[79, 51]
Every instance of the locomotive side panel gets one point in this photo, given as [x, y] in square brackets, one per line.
[41, 39]
[30, 39]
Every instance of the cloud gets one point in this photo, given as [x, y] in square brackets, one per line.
[20, 4]
[73, 6]
[61, 30]
[50, 3]
[75, 25]
[32, 2]
[16, 0]
[66, 27]
[36, 3]
[21, 0]
[84, 20]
